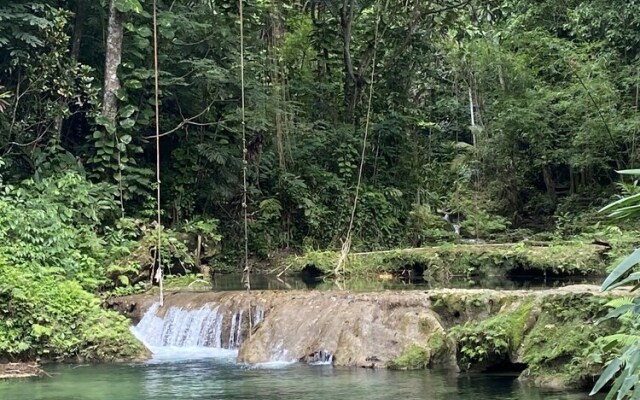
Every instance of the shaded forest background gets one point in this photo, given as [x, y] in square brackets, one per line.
[511, 115]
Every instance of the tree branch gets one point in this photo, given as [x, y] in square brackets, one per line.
[187, 121]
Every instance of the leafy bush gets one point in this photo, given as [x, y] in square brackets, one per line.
[133, 245]
[51, 260]
[53, 223]
[424, 226]
[45, 315]
[493, 339]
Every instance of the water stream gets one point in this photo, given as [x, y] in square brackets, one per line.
[271, 282]
[220, 378]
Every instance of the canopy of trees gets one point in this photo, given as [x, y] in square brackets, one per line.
[511, 113]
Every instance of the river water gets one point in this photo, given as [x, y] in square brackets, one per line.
[215, 375]
[369, 284]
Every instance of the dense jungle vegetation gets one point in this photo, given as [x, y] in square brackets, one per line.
[511, 116]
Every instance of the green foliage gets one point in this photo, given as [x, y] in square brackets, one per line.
[133, 245]
[552, 87]
[624, 369]
[425, 226]
[414, 357]
[52, 261]
[494, 339]
[51, 225]
[45, 315]
[564, 342]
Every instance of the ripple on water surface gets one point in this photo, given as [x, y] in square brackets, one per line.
[220, 378]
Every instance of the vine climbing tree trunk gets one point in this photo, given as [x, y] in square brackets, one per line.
[113, 58]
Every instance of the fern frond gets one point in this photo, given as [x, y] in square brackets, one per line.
[623, 339]
[619, 302]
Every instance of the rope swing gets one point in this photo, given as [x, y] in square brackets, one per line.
[246, 273]
[159, 272]
[346, 244]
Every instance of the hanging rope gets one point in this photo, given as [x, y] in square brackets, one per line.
[159, 272]
[246, 273]
[346, 245]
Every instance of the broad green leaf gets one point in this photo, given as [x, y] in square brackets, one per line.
[133, 84]
[621, 269]
[624, 201]
[629, 172]
[102, 120]
[631, 278]
[609, 372]
[121, 94]
[627, 384]
[111, 128]
[124, 279]
[145, 32]
[126, 6]
[128, 110]
[127, 123]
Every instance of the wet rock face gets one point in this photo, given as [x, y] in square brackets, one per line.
[364, 330]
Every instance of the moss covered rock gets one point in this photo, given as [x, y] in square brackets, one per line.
[566, 258]
[496, 339]
[558, 347]
[414, 357]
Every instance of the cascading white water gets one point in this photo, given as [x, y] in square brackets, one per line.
[321, 357]
[207, 332]
[180, 328]
[187, 333]
[233, 330]
[258, 316]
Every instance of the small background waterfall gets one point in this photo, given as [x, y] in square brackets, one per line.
[209, 331]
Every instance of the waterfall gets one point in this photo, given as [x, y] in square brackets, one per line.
[321, 357]
[258, 316]
[200, 332]
[180, 328]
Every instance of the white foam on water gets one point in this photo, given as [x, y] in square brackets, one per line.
[184, 334]
[163, 354]
[272, 365]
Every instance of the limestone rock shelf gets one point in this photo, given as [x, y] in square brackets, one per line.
[537, 332]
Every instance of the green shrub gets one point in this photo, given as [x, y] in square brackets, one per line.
[44, 315]
[53, 224]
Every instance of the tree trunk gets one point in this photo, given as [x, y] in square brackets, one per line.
[549, 182]
[278, 80]
[113, 58]
[78, 28]
[572, 181]
[75, 52]
[350, 82]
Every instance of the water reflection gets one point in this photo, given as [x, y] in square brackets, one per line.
[222, 379]
[295, 282]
